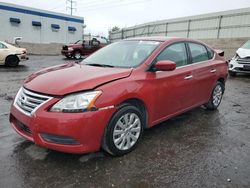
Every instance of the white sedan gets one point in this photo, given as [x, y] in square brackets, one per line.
[240, 63]
[11, 55]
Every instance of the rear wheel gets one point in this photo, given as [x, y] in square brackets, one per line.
[12, 61]
[123, 131]
[216, 96]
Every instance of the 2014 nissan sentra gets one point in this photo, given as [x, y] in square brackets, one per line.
[108, 99]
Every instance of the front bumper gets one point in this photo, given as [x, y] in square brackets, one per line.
[23, 57]
[65, 132]
[236, 67]
[67, 52]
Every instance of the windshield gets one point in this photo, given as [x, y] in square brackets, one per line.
[78, 42]
[246, 45]
[125, 54]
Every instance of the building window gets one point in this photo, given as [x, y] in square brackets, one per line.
[55, 26]
[37, 24]
[15, 20]
[71, 29]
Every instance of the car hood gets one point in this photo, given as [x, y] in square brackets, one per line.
[243, 53]
[72, 77]
[74, 45]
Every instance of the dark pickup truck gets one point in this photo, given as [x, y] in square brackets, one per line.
[81, 48]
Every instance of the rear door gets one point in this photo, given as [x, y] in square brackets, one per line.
[173, 89]
[204, 67]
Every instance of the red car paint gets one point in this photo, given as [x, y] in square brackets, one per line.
[165, 94]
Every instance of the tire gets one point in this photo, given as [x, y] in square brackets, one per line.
[77, 55]
[12, 61]
[127, 135]
[233, 74]
[95, 42]
[216, 96]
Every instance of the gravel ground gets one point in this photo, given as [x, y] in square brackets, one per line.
[197, 149]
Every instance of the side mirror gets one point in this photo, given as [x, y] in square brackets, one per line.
[165, 65]
[220, 52]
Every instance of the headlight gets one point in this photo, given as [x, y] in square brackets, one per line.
[70, 49]
[79, 102]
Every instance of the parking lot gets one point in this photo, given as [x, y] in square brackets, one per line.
[197, 149]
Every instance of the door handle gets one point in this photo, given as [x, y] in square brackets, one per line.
[213, 70]
[188, 77]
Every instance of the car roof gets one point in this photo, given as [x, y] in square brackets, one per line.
[156, 38]
[166, 39]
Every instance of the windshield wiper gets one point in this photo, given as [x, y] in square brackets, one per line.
[99, 65]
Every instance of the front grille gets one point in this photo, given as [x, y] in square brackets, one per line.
[241, 69]
[28, 102]
[65, 48]
[243, 60]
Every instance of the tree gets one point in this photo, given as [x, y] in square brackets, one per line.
[115, 28]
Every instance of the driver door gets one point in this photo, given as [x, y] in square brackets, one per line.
[173, 89]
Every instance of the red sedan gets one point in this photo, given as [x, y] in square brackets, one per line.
[108, 99]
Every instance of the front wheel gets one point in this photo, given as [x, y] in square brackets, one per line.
[12, 61]
[216, 96]
[123, 131]
[77, 55]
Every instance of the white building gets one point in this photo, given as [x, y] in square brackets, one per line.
[38, 26]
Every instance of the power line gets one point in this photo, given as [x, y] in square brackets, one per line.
[71, 4]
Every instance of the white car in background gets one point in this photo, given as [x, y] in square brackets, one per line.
[102, 40]
[11, 55]
[240, 63]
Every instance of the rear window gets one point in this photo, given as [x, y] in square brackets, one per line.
[198, 52]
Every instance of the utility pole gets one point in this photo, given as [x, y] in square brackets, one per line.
[72, 6]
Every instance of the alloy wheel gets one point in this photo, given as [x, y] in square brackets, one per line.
[78, 55]
[127, 131]
[217, 95]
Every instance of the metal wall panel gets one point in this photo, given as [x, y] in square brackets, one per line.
[241, 20]
[203, 34]
[178, 26]
[177, 34]
[203, 24]
[227, 24]
[235, 32]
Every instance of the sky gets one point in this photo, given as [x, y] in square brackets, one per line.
[101, 15]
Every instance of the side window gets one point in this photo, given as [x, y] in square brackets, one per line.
[198, 52]
[210, 53]
[175, 52]
[2, 46]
